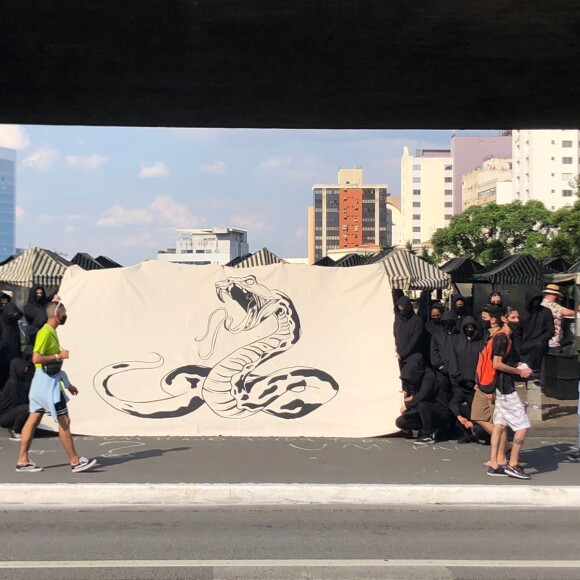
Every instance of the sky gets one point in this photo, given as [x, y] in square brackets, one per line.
[122, 192]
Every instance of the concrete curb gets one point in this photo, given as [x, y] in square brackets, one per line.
[143, 494]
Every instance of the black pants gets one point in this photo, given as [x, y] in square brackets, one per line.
[434, 417]
[409, 421]
[15, 418]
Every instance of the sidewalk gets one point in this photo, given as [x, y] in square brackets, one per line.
[218, 470]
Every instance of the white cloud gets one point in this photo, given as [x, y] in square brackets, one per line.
[19, 212]
[86, 164]
[14, 137]
[301, 233]
[43, 158]
[71, 217]
[158, 169]
[253, 223]
[275, 163]
[217, 168]
[164, 210]
[70, 229]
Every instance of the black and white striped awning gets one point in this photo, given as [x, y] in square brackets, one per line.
[519, 269]
[461, 270]
[350, 260]
[86, 262]
[35, 266]
[262, 258]
[107, 262]
[325, 261]
[407, 271]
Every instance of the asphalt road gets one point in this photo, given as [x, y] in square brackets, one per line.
[289, 542]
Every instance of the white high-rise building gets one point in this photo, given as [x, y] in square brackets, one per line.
[545, 164]
[426, 193]
[207, 246]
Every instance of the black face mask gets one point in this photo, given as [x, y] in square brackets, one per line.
[469, 332]
[436, 321]
[448, 326]
[62, 319]
[486, 324]
[40, 300]
[405, 314]
[514, 326]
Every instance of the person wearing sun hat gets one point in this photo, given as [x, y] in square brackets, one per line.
[552, 294]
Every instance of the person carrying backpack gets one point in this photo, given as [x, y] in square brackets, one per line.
[495, 370]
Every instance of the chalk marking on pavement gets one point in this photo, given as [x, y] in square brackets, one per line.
[22, 564]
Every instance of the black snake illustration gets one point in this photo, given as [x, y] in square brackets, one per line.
[232, 388]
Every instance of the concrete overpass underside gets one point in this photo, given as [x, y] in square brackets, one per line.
[291, 64]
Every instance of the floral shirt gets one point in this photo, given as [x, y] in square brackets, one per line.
[557, 315]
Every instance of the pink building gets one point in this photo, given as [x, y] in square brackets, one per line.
[469, 153]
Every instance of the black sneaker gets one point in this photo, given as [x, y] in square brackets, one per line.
[516, 472]
[426, 440]
[13, 436]
[574, 456]
[499, 471]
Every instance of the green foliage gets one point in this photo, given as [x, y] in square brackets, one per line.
[487, 233]
[566, 241]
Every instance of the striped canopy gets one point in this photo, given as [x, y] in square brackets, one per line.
[262, 258]
[35, 266]
[350, 260]
[461, 270]
[86, 261]
[410, 272]
[515, 270]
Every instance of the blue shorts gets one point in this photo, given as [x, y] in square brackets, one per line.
[61, 407]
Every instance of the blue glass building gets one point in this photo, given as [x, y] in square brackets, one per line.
[7, 202]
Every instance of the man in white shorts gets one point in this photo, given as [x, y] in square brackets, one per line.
[509, 409]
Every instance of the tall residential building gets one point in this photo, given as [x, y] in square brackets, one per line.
[7, 202]
[426, 193]
[469, 152]
[545, 164]
[347, 214]
[489, 183]
[207, 246]
[394, 221]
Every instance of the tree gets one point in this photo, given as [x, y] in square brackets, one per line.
[487, 233]
[566, 242]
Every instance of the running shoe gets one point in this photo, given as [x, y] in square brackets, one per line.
[426, 440]
[498, 471]
[13, 436]
[516, 472]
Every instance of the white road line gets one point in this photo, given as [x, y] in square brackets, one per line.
[13, 565]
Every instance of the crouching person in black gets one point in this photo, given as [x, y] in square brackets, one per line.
[14, 405]
[467, 348]
[427, 409]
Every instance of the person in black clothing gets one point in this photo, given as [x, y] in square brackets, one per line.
[434, 325]
[466, 350]
[408, 330]
[14, 409]
[10, 314]
[495, 298]
[458, 307]
[427, 409]
[442, 350]
[535, 329]
[35, 313]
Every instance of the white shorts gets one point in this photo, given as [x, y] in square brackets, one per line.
[509, 410]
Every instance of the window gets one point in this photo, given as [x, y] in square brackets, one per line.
[344, 228]
[567, 193]
[416, 192]
[567, 160]
[552, 158]
[448, 216]
[416, 241]
[416, 204]
[449, 180]
[416, 216]
[448, 192]
[566, 143]
[448, 204]
[418, 179]
[448, 167]
[417, 230]
[567, 176]
[417, 167]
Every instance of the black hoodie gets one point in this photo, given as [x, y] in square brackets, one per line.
[35, 314]
[15, 391]
[443, 343]
[9, 317]
[467, 352]
[459, 314]
[433, 327]
[408, 330]
[536, 329]
[424, 379]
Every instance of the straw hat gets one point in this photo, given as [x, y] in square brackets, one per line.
[552, 289]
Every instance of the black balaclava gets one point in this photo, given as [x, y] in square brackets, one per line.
[470, 334]
[441, 308]
[456, 309]
[404, 308]
[448, 322]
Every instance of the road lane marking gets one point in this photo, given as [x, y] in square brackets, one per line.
[23, 564]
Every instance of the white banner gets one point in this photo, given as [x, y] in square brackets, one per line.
[281, 350]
